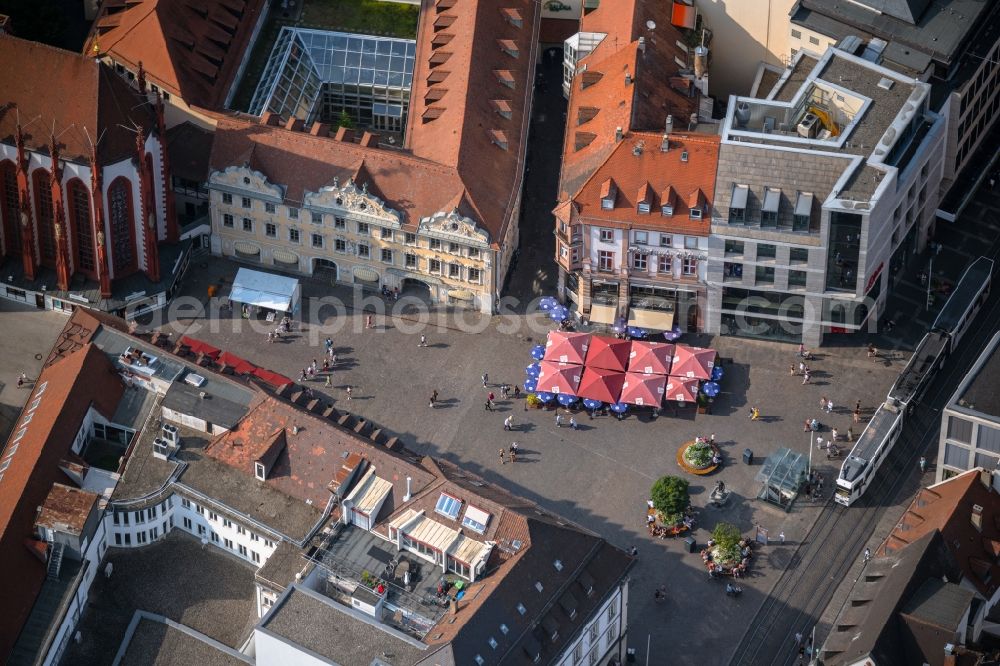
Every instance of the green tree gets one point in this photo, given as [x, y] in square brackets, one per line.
[727, 539]
[670, 498]
[345, 120]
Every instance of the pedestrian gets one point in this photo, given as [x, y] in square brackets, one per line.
[329, 381]
[572, 422]
[923, 464]
[711, 438]
[802, 349]
[302, 375]
[508, 423]
[868, 554]
[348, 389]
[488, 406]
[857, 406]
[311, 371]
[333, 360]
[857, 415]
[503, 460]
[20, 380]
[517, 391]
[829, 406]
[503, 391]
[369, 322]
[754, 414]
[834, 435]
[805, 377]
[423, 340]
[819, 442]
[559, 420]
[798, 639]
[486, 378]
[329, 352]
[329, 343]
[491, 397]
[791, 370]
[326, 365]
[634, 552]
[781, 535]
[802, 367]
[822, 402]
[513, 451]
[850, 434]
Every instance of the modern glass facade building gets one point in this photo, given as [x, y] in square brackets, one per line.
[317, 75]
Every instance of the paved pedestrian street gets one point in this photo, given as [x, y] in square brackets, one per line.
[598, 475]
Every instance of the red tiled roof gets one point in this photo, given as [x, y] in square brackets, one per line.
[191, 48]
[189, 147]
[80, 98]
[65, 389]
[948, 507]
[455, 131]
[678, 182]
[629, 87]
[305, 163]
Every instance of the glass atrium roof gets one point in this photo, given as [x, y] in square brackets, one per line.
[303, 60]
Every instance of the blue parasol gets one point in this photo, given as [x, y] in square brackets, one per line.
[673, 334]
[711, 389]
[717, 373]
[545, 306]
[559, 314]
[538, 352]
[619, 326]
[533, 370]
[565, 399]
[530, 385]
[545, 396]
[592, 404]
[636, 332]
[619, 407]
[548, 302]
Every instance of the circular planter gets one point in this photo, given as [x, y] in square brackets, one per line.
[691, 467]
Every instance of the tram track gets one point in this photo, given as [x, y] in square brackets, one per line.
[833, 544]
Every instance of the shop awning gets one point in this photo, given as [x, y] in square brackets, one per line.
[265, 290]
[272, 378]
[239, 365]
[602, 314]
[657, 320]
[199, 347]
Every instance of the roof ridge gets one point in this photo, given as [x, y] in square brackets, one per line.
[152, 4]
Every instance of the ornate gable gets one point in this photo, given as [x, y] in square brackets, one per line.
[454, 226]
[245, 179]
[351, 198]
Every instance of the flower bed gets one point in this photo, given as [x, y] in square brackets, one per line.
[696, 457]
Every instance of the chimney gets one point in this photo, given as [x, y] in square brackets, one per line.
[665, 144]
[642, 45]
[270, 118]
[692, 122]
[345, 134]
[409, 494]
[294, 124]
[369, 140]
[670, 125]
[454, 606]
[618, 134]
[319, 129]
[628, 79]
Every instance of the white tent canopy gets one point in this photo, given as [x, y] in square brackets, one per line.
[265, 290]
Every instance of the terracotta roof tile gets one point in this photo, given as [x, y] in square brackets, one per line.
[455, 136]
[948, 507]
[82, 99]
[191, 48]
[305, 163]
[630, 88]
[639, 168]
[66, 389]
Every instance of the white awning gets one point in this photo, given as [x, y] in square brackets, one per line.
[656, 320]
[370, 492]
[284, 256]
[772, 197]
[740, 193]
[265, 290]
[804, 204]
[243, 247]
[432, 533]
[602, 314]
[466, 550]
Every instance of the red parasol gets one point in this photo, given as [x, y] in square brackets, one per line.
[240, 366]
[559, 377]
[681, 389]
[693, 362]
[608, 353]
[643, 389]
[601, 384]
[199, 347]
[566, 347]
[272, 378]
[650, 357]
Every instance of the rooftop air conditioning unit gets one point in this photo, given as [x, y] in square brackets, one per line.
[162, 449]
[171, 434]
[809, 126]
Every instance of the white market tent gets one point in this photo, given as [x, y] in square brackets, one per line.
[266, 290]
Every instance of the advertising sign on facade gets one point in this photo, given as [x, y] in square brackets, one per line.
[561, 9]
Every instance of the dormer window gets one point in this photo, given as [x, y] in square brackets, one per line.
[509, 46]
[645, 199]
[802, 218]
[609, 192]
[769, 209]
[667, 202]
[695, 213]
[448, 506]
[684, 156]
[259, 471]
[696, 203]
